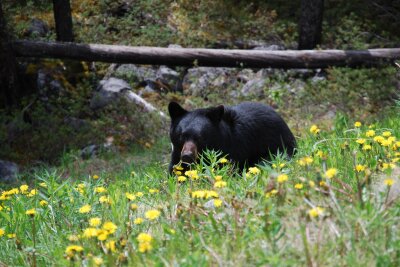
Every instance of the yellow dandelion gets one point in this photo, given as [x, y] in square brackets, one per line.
[138, 221]
[144, 237]
[133, 206]
[314, 129]
[11, 236]
[330, 173]
[43, 203]
[72, 249]
[105, 200]
[139, 194]
[154, 191]
[361, 141]
[85, 209]
[360, 168]
[389, 182]
[370, 133]
[386, 166]
[44, 185]
[305, 161]
[223, 160]
[218, 178]
[145, 247]
[192, 174]
[73, 238]
[130, 196]
[219, 184]
[2, 232]
[386, 133]
[31, 212]
[379, 139]
[311, 184]
[282, 178]
[217, 203]
[298, 186]
[24, 189]
[95, 177]
[90, 232]
[254, 170]
[110, 245]
[100, 189]
[182, 178]
[98, 261]
[357, 124]
[152, 214]
[315, 212]
[366, 147]
[110, 227]
[94, 222]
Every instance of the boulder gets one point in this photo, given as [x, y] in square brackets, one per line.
[108, 91]
[8, 171]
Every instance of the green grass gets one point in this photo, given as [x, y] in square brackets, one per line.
[260, 221]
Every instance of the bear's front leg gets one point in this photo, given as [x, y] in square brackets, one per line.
[175, 158]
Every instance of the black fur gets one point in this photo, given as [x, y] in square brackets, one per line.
[248, 132]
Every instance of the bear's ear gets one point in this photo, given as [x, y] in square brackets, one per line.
[175, 110]
[216, 114]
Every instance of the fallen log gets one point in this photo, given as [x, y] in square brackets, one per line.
[206, 57]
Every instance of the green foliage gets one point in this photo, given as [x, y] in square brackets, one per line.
[222, 215]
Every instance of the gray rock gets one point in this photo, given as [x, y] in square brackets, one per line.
[136, 74]
[76, 124]
[253, 88]
[169, 77]
[108, 91]
[8, 171]
[37, 28]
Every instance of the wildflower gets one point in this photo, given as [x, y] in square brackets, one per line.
[73, 238]
[105, 200]
[100, 189]
[72, 249]
[139, 194]
[144, 237]
[102, 235]
[217, 203]
[138, 221]
[219, 184]
[90, 232]
[98, 261]
[96, 221]
[218, 178]
[370, 133]
[271, 193]
[110, 245]
[24, 189]
[282, 178]
[95, 177]
[360, 168]
[379, 139]
[281, 165]
[152, 214]
[44, 185]
[389, 182]
[254, 170]
[11, 236]
[386, 133]
[43, 203]
[388, 166]
[182, 178]
[110, 227]
[85, 209]
[192, 174]
[133, 207]
[153, 191]
[315, 212]
[2, 232]
[330, 173]
[223, 160]
[204, 194]
[298, 186]
[305, 161]
[357, 124]
[144, 247]
[31, 212]
[311, 184]
[361, 141]
[314, 129]
[366, 147]
[385, 142]
[130, 196]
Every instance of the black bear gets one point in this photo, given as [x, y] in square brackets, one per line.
[247, 133]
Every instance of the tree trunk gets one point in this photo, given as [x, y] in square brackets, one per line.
[9, 85]
[284, 59]
[310, 23]
[63, 20]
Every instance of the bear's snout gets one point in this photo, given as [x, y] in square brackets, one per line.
[189, 152]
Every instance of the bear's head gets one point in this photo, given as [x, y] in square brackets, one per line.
[193, 131]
